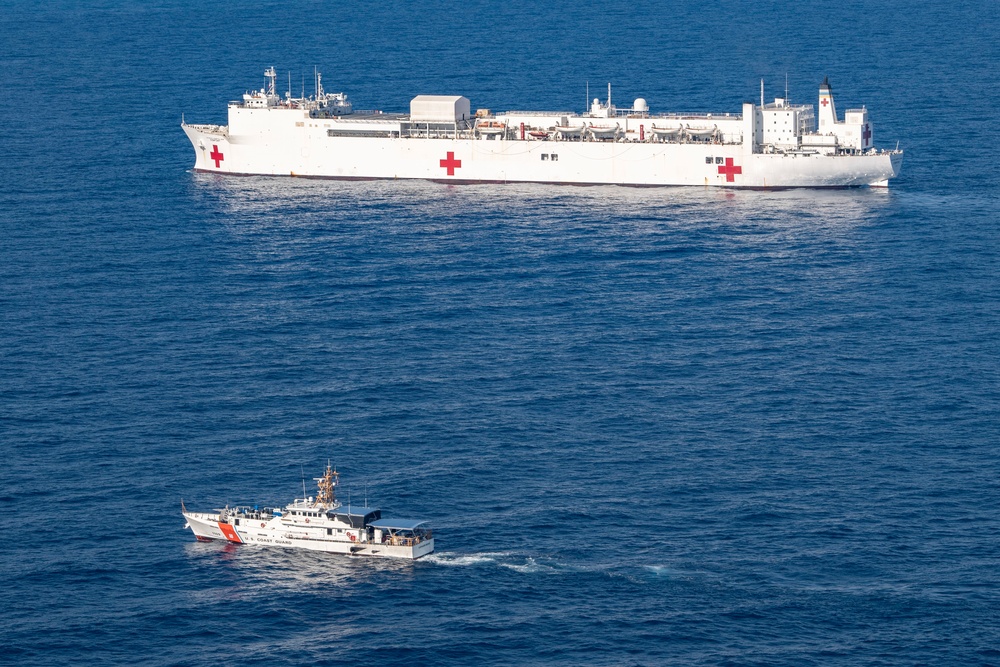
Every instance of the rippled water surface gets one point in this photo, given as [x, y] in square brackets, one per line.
[650, 426]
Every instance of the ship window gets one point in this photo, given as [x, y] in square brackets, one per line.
[236, 523]
[718, 160]
[329, 531]
[545, 156]
[554, 157]
[708, 160]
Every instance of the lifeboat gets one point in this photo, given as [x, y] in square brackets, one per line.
[490, 127]
[666, 132]
[569, 131]
[538, 135]
[604, 132]
[702, 132]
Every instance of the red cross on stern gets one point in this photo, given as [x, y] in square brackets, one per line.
[215, 155]
[451, 164]
[730, 170]
[867, 133]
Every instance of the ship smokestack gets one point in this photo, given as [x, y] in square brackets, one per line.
[827, 110]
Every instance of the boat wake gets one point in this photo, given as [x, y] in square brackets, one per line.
[452, 559]
[505, 559]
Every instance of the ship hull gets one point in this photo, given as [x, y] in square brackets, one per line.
[310, 152]
[278, 532]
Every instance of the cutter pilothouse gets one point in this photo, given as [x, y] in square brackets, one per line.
[766, 145]
[319, 523]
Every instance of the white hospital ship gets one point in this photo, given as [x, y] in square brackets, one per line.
[773, 145]
[319, 523]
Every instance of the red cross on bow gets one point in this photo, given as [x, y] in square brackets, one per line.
[216, 155]
[824, 101]
[866, 134]
[450, 163]
[730, 170]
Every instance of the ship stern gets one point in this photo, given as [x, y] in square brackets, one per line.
[895, 163]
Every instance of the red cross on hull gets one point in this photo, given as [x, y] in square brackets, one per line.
[730, 170]
[450, 163]
[216, 155]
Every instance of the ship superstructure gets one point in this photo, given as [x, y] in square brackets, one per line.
[767, 145]
[318, 523]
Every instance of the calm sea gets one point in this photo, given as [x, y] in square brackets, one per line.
[656, 426]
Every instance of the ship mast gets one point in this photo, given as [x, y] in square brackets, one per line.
[326, 483]
[270, 75]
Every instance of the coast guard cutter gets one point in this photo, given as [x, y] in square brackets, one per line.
[319, 523]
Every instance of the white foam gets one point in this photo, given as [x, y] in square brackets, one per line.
[529, 566]
[453, 559]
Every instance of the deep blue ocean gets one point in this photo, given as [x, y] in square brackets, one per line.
[650, 426]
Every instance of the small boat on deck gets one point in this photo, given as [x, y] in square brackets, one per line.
[701, 132]
[667, 132]
[604, 132]
[490, 127]
[570, 130]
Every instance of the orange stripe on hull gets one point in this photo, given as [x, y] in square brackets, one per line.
[230, 533]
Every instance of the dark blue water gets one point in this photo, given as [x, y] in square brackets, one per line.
[650, 426]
